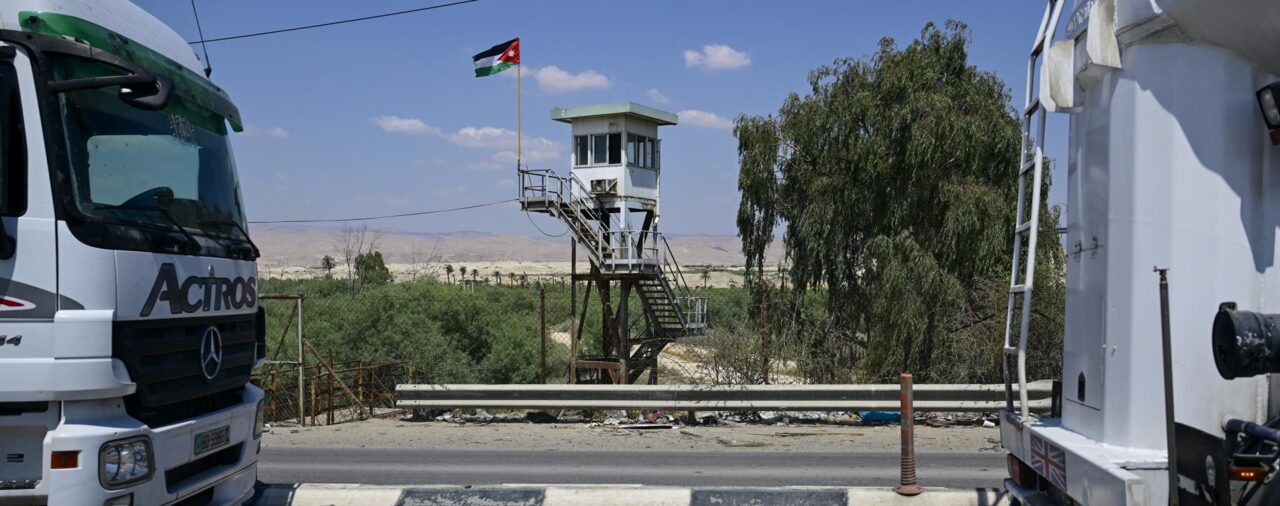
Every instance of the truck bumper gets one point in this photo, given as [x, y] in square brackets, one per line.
[1086, 470]
[224, 475]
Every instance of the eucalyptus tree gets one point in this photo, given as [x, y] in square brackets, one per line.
[893, 180]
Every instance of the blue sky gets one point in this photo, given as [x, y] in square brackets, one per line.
[384, 116]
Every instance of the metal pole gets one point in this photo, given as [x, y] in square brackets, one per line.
[624, 347]
[542, 318]
[519, 131]
[301, 367]
[908, 484]
[1168, 386]
[573, 311]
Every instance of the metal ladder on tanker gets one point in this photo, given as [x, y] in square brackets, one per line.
[1027, 221]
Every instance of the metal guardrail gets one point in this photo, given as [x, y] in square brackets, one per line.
[948, 398]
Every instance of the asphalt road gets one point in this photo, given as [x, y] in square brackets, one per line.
[686, 469]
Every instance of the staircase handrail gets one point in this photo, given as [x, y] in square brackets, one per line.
[669, 263]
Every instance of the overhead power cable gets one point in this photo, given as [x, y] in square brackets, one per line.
[385, 216]
[331, 23]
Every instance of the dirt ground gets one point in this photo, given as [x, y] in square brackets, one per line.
[394, 433]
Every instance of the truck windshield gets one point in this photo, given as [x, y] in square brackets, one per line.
[159, 169]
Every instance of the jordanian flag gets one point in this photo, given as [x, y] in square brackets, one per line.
[498, 58]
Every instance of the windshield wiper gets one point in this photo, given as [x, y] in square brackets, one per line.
[238, 227]
[195, 245]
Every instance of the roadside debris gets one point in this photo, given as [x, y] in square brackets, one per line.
[539, 417]
[642, 420]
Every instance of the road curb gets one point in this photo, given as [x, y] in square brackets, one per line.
[307, 494]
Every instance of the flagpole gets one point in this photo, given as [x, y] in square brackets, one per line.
[519, 133]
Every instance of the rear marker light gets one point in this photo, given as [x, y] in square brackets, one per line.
[1246, 473]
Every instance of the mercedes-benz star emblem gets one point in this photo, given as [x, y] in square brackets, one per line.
[211, 353]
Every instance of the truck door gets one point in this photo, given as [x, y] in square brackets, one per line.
[28, 269]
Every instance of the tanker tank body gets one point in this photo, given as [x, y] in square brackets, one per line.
[1170, 164]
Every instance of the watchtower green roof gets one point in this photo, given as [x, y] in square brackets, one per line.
[626, 108]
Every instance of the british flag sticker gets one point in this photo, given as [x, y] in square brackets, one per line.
[1049, 460]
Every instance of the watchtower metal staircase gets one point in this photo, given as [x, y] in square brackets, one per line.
[636, 260]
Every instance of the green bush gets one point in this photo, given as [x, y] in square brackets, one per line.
[448, 334]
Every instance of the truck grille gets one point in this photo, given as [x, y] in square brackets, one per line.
[176, 478]
[163, 358]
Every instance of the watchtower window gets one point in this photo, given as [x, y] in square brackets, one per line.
[640, 151]
[582, 150]
[598, 149]
[615, 149]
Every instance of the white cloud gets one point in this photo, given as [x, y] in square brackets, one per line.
[717, 57]
[489, 165]
[553, 79]
[657, 97]
[409, 126]
[505, 183]
[704, 119]
[536, 149]
[483, 137]
[273, 132]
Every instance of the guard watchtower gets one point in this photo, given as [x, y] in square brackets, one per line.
[610, 202]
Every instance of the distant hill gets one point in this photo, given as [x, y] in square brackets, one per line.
[303, 247]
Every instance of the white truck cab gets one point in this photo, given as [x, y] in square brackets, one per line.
[129, 320]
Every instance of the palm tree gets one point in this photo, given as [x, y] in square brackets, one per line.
[448, 273]
[463, 270]
[497, 277]
[706, 276]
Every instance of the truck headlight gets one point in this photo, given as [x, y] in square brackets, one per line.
[257, 419]
[125, 462]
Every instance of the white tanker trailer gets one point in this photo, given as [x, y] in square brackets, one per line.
[1172, 164]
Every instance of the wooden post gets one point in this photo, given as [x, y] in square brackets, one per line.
[360, 381]
[369, 391]
[313, 402]
[329, 389]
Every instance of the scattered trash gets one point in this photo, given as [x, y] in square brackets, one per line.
[938, 422]
[988, 424]
[539, 417]
[880, 417]
[645, 426]
[740, 444]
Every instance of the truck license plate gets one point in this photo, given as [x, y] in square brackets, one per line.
[213, 439]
